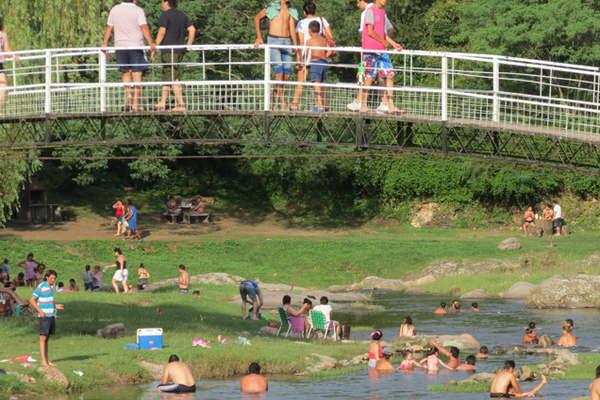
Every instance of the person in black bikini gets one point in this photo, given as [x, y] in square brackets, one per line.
[177, 377]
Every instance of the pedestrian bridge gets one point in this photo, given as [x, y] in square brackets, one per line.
[453, 103]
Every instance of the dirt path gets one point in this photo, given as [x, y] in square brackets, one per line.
[98, 228]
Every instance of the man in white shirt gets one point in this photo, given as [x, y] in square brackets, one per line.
[557, 222]
[131, 28]
[325, 308]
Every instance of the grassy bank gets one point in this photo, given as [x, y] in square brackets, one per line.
[321, 261]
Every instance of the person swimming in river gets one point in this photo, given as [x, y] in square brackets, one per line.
[474, 307]
[375, 349]
[177, 377]
[409, 362]
[530, 337]
[431, 361]
[451, 352]
[384, 364]
[455, 306]
[483, 354]
[468, 365]
[441, 310]
[505, 386]
[568, 339]
[407, 328]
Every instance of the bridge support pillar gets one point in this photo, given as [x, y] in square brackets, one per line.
[266, 127]
[360, 132]
[404, 134]
[444, 138]
[495, 138]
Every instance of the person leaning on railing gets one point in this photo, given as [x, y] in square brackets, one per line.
[131, 28]
[173, 25]
[4, 47]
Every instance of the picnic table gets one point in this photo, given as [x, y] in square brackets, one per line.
[184, 210]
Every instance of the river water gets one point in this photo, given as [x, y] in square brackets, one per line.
[499, 323]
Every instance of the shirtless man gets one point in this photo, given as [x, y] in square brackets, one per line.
[595, 386]
[282, 31]
[254, 382]
[505, 386]
[177, 377]
[568, 339]
[469, 365]
[184, 280]
[384, 364]
[529, 219]
[441, 310]
[452, 353]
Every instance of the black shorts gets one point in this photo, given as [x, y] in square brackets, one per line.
[557, 223]
[47, 326]
[501, 396]
[175, 388]
[132, 60]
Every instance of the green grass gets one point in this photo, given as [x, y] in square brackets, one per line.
[584, 371]
[475, 387]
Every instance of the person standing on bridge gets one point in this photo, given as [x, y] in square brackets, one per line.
[282, 31]
[173, 25]
[375, 40]
[4, 47]
[129, 24]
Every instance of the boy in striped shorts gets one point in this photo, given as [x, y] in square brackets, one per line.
[42, 301]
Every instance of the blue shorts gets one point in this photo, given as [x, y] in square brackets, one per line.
[132, 60]
[281, 59]
[247, 289]
[133, 225]
[378, 65]
[318, 70]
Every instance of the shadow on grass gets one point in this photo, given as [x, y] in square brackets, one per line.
[81, 357]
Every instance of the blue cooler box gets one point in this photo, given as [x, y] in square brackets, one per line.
[150, 338]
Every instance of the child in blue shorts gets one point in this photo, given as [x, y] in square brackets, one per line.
[319, 60]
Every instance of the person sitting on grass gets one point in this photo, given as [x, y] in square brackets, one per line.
[254, 382]
[483, 354]
[183, 282]
[568, 339]
[61, 288]
[177, 377]
[326, 309]
[88, 278]
[97, 278]
[441, 310]
[407, 328]
[73, 285]
[319, 59]
[469, 364]
[595, 386]
[143, 276]
[19, 281]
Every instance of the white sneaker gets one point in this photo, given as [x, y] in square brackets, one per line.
[354, 106]
[383, 109]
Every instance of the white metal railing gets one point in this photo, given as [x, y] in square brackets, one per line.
[486, 90]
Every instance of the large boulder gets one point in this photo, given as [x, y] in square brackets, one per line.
[545, 342]
[374, 282]
[320, 363]
[519, 291]
[475, 294]
[511, 243]
[425, 214]
[54, 375]
[578, 291]
[463, 341]
[112, 331]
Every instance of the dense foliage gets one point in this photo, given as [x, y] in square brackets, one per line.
[558, 30]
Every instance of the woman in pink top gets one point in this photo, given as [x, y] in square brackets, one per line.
[29, 265]
[409, 362]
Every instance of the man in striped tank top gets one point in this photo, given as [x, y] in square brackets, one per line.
[42, 301]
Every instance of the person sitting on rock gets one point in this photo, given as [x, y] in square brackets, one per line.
[407, 328]
[530, 337]
[441, 310]
[568, 339]
[177, 377]
[384, 364]
[595, 386]
[254, 382]
[452, 353]
[505, 385]
[483, 354]
[469, 364]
